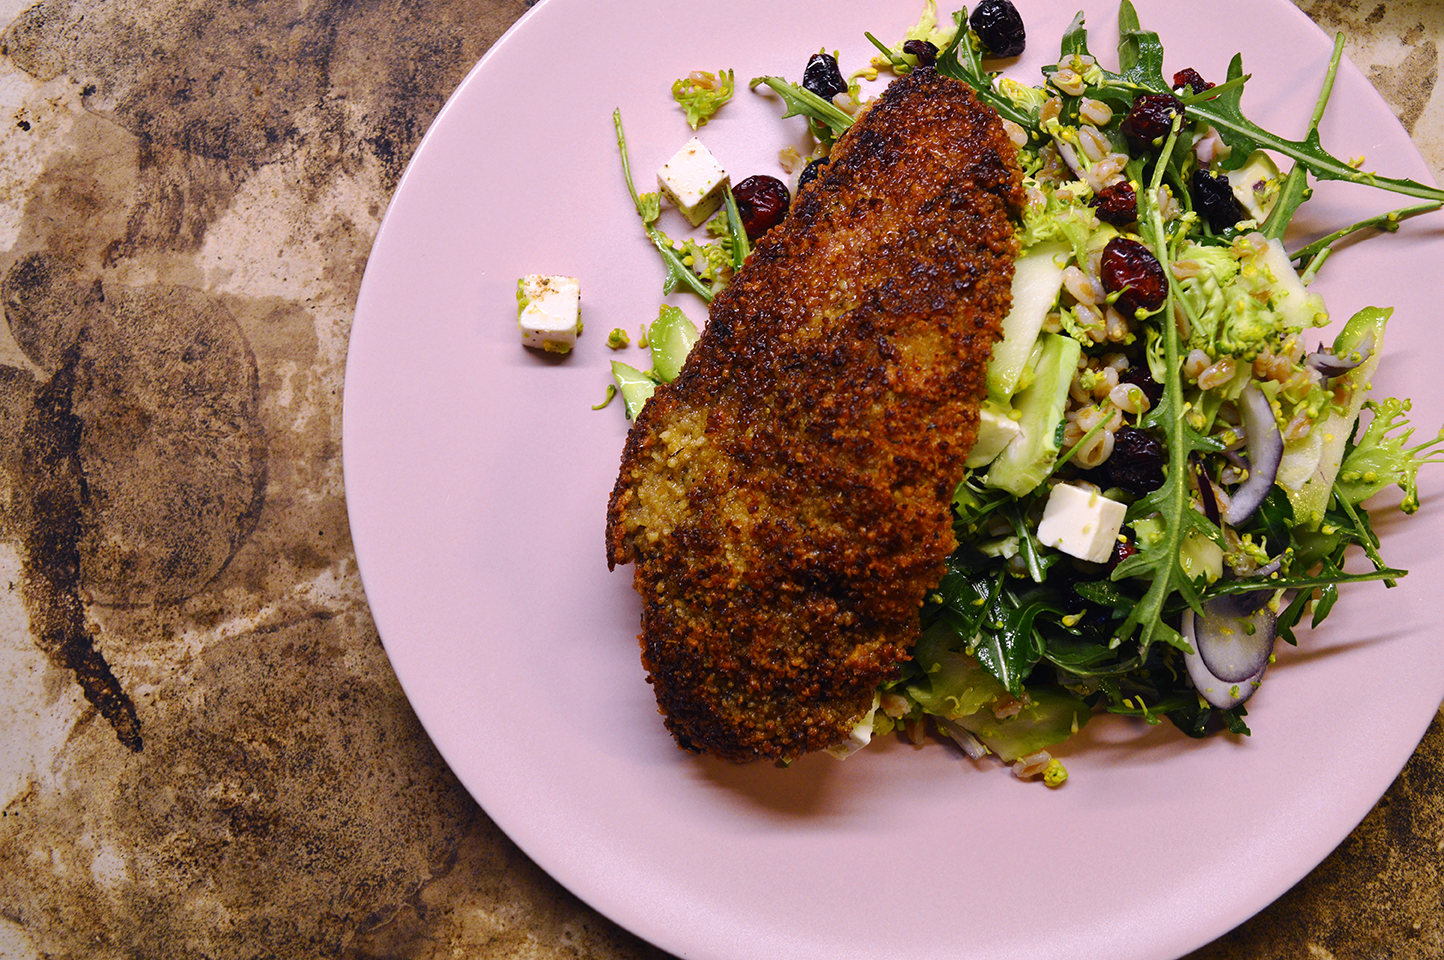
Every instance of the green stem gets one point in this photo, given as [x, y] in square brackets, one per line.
[1388, 221]
[738, 233]
[1295, 187]
[1146, 614]
[1367, 540]
[676, 269]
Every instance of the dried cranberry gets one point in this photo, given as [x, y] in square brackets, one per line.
[926, 52]
[998, 24]
[1116, 204]
[1136, 463]
[1190, 78]
[1140, 377]
[822, 77]
[762, 201]
[1151, 118]
[1123, 548]
[1213, 196]
[1132, 271]
[811, 172]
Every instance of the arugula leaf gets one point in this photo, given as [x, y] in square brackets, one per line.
[803, 102]
[1140, 57]
[1075, 38]
[1163, 565]
[961, 59]
[1225, 113]
[1140, 52]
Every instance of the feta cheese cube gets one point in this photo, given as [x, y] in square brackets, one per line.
[1081, 522]
[693, 181]
[549, 311]
[995, 431]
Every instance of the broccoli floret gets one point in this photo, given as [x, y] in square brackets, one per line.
[1379, 457]
[1055, 774]
[1244, 297]
[1025, 98]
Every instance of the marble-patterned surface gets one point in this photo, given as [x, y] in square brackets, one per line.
[206, 752]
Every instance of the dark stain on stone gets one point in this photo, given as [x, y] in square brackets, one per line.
[166, 390]
[1409, 85]
[142, 460]
[209, 104]
[57, 492]
[46, 307]
[173, 445]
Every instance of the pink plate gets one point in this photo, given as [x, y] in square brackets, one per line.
[477, 476]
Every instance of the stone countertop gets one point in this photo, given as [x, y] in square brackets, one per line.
[207, 753]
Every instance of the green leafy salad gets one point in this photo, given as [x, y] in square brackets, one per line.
[1167, 476]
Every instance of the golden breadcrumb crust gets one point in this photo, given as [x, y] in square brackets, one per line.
[787, 499]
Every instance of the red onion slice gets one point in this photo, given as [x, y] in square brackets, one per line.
[1223, 694]
[1330, 365]
[1265, 452]
[1235, 635]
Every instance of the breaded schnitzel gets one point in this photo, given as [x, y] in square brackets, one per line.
[787, 499]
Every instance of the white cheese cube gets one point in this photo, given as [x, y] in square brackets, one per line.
[995, 431]
[1081, 522]
[693, 181]
[549, 311]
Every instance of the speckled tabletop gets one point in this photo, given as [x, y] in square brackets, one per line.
[206, 752]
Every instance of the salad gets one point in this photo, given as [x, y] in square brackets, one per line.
[1171, 469]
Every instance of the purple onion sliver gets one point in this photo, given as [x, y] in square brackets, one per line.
[1265, 452]
[1270, 568]
[1330, 365]
[1205, 488]
[1218, 693]
[1235, 635]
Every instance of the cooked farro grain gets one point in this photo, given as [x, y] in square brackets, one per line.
[1095, 112]
[1195, 363]
[1130, 398]
[1082, 287]
[1217, 373]
[1069, 82]
[1094, 144]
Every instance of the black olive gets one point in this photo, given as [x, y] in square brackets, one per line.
[810, 172]
[1150, 119]
[926, 52]
[822, 77]
[1213, 196]
[998, 24]
[1136, 463]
